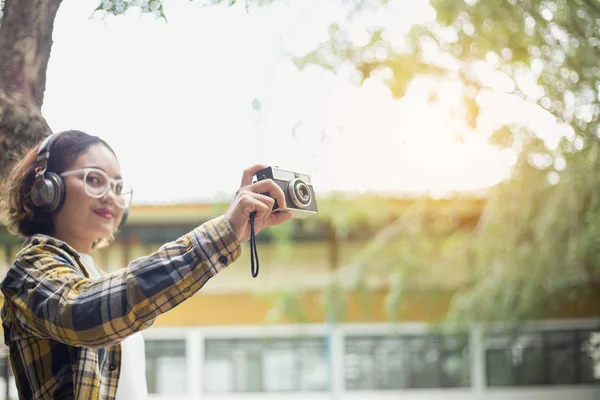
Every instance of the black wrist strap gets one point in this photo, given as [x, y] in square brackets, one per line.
[253, 252]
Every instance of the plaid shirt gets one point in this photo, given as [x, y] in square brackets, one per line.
[63, 329]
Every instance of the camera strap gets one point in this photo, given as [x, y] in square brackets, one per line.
[253, 252]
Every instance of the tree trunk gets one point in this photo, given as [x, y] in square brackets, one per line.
[25, 44]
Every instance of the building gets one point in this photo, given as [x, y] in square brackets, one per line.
[230, 341]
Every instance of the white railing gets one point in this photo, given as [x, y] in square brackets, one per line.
[196, 337]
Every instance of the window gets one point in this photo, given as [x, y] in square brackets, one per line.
[265, 365]
[406, 361]
[541, 358]
[165, 366]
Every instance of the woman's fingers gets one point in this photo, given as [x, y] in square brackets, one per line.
[270, 187]
[250, 202]
[276, 218]
[249, 173]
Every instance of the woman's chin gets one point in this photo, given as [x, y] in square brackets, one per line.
[103, 231]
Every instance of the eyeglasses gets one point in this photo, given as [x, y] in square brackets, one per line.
[97, 184]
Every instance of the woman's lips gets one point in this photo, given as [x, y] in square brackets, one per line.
[105, 213]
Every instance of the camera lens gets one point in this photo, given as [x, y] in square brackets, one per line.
[299, 193]
[303, 193]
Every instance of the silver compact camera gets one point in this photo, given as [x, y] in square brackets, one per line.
[297, 188]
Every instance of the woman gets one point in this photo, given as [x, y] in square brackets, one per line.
[72, 331]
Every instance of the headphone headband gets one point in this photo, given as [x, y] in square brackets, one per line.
[44, 150]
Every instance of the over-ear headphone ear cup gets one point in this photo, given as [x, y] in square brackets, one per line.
[56, 202]
[41, 190]
[48, 193]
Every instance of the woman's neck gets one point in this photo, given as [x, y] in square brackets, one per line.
[82, 245]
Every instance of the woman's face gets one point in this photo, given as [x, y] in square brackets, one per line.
[83, 219]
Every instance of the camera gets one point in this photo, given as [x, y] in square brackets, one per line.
[297, 188]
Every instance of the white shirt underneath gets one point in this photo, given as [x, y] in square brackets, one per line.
[132, 381]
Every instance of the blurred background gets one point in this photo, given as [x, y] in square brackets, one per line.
[453, 149]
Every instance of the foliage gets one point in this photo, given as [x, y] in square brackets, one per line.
[156, 7]
[536, 243]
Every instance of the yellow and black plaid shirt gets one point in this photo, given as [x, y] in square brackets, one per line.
[63, 329]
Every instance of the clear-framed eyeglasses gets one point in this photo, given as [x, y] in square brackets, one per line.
[97, 183]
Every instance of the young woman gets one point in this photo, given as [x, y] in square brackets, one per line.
[73, 332]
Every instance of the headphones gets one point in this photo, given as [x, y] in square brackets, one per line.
[48, 191]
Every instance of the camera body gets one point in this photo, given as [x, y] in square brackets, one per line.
[297, 188]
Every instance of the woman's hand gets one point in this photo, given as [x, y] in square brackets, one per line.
[248, 199]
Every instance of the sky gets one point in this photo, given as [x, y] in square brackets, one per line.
[174, 99]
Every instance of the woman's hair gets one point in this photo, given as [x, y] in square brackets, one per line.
[20, 215]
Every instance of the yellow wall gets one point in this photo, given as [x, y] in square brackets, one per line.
[306, 264]
[252, 309]
[249, 309]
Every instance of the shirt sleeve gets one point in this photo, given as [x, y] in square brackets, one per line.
[51, 299]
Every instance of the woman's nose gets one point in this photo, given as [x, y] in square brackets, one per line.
[110, 195]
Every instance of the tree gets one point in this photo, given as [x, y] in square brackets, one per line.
[537, 241]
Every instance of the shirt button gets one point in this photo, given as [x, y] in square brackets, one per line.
[112, 366]
[223, 259]
[187, 289]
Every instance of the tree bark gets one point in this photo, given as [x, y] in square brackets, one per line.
[25, 45]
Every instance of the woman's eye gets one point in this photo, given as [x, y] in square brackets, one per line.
[94, 180]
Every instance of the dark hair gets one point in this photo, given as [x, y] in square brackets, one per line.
[21, 216]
